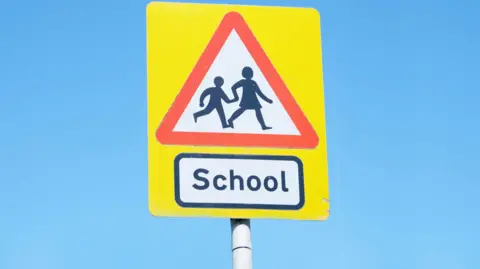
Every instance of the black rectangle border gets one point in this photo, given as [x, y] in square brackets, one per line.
[241, 157]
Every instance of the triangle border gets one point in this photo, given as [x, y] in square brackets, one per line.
[308, 138]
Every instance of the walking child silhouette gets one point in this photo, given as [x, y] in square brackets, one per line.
[249, 98]
[215, 102]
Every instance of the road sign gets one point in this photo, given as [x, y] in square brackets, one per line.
[236, 124]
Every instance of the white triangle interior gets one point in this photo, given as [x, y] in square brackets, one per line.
[233, 57]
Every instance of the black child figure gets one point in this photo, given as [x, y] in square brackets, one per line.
[215, 102]
[249, 98]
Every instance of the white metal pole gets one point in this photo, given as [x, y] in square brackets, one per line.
[241, 244]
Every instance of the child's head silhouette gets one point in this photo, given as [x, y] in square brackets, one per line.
[218, 81]
[247, 72]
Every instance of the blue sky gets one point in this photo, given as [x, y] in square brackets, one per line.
[403, 139]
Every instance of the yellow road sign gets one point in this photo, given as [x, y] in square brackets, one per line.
[236, 124]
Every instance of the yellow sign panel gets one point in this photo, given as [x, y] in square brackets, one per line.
[236, 124]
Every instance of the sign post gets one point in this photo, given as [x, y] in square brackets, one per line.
[236, 120]
[241, 244]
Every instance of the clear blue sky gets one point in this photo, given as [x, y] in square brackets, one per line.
[403, 137]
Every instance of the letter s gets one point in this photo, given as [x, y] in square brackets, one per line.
[200, 178]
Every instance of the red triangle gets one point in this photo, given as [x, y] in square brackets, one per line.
[233, 20]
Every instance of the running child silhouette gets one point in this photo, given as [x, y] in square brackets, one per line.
[249, 98]
[215, 102]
